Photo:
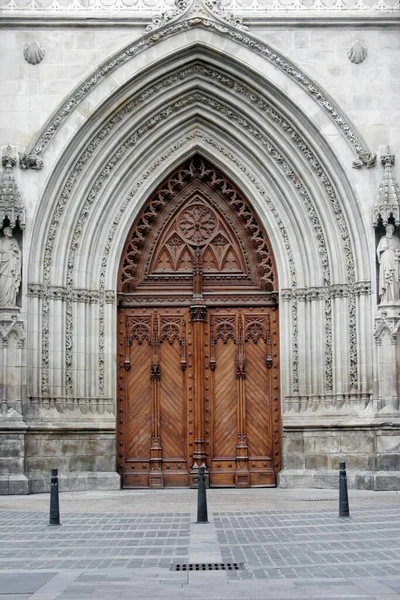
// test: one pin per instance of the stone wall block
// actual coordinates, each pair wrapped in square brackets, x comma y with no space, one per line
[357,442]
[51,447]
[44,464]
[72,446]
[99,446]
[293,443]
[388,443]
[384,481]
[105,463]
[354,462]
[327,444]
[33,446]
[11,465]
[316,461]
[18,485]
[362,482]
[82,463]
[11,449]
[388,462]
[293,461]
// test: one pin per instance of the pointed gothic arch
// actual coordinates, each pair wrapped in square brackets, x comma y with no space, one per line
[198,339]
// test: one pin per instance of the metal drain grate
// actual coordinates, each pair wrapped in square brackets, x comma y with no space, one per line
[207,567]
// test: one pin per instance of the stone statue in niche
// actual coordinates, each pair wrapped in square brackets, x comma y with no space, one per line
[388,252]
[10,269]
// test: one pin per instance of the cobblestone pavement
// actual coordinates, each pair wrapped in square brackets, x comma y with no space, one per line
[120,545]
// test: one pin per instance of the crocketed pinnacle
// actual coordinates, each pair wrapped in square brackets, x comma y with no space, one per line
[387,203]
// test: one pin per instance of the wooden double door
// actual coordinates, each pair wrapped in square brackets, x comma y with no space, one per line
[199,386]
[198,357]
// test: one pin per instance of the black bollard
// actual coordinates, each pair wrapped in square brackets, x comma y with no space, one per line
[344,510]
[202,516]
[54,501]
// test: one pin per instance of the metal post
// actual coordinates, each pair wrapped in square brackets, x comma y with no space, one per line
[54,501]
[202,516]
[344,510]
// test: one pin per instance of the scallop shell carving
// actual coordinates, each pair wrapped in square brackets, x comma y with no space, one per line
[33,53]
[357,53]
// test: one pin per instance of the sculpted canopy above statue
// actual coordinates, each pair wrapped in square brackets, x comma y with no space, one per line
[10,269]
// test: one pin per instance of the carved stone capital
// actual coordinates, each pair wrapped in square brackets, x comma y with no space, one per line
[362,288]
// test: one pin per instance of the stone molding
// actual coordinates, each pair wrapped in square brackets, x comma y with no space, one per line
[65,404]
[63,293]
[224,29]
[336,290]
[145,8]
[317,403]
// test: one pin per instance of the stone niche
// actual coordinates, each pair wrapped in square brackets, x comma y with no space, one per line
[312,456]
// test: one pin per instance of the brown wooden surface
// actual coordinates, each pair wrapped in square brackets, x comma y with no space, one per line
[198,352]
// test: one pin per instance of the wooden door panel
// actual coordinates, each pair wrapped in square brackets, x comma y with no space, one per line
[173,416]
[139,413]
[259,416]
[224,406]
[258,407]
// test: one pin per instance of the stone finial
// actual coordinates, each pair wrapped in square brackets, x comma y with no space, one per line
[387,203]
[11,205]
[198,9]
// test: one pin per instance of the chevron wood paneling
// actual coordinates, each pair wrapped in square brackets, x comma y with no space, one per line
[138,414]
[258,404]
[172,402]
[224,401]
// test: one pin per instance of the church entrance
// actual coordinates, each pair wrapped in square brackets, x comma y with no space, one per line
[198,347]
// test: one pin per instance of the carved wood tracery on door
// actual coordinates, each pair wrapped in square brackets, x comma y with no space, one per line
[198,354]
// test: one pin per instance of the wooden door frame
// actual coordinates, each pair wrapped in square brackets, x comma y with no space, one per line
[196,178]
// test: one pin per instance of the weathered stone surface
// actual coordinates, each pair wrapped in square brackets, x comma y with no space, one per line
[313,204]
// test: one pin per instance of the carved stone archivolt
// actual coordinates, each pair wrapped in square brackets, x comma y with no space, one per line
[229,31]
[294,136]
[174,242]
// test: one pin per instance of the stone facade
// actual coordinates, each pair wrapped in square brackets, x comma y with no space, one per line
[299,105]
